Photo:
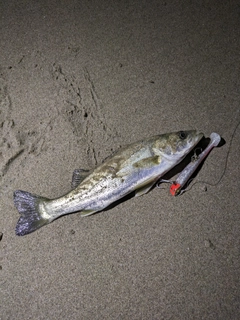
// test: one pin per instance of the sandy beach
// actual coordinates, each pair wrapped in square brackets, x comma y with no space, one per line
[79,79]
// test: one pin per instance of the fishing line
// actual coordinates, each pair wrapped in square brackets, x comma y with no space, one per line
[194,158]
[224,170]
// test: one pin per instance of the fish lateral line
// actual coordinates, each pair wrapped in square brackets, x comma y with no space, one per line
[136,167]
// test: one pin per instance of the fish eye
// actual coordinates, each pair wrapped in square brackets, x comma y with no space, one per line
[182,135]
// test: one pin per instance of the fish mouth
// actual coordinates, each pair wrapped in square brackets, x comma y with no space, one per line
[199,136]
[194,139]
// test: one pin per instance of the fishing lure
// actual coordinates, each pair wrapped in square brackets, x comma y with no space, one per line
[177,186]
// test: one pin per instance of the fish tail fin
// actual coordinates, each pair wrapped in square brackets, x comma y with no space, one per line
[31,217]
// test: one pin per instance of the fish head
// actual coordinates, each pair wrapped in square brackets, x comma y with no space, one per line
[176,145]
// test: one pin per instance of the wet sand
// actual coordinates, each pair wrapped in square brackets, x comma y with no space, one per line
[78,79]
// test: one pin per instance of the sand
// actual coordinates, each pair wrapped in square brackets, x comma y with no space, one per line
[78,79]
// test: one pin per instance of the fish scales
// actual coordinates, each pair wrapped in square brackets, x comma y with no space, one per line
[135,167]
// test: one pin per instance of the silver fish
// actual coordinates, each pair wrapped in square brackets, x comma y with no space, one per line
[136,167]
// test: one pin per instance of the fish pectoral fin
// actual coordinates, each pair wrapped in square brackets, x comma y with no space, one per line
[78,176]
[142,190]
[86,213]
[147,162]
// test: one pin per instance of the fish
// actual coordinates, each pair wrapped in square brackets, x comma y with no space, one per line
[133,168]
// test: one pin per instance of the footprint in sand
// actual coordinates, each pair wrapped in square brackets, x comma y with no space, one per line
[10,146]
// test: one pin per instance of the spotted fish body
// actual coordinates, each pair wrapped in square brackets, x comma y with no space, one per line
[135,167]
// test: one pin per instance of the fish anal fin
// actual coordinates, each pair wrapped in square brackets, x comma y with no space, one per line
[78,176]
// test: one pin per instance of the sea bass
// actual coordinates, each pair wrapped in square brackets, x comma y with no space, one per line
[136,167]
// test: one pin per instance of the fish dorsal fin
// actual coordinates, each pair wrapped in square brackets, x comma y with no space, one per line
[78,176]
